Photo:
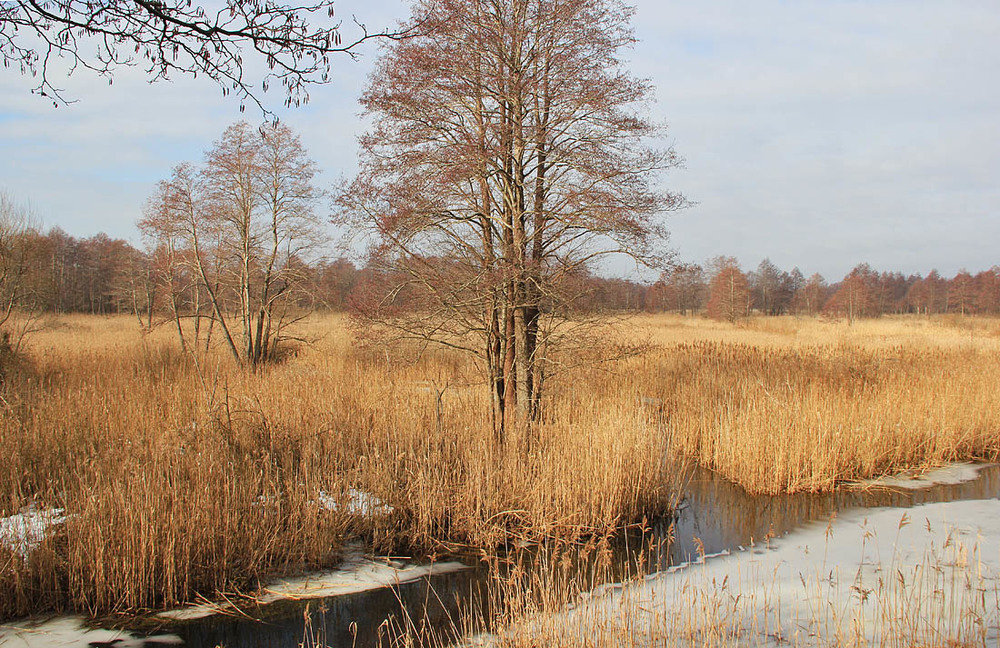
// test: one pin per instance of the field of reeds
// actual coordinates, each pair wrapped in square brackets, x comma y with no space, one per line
[782,405]
[879,578]
[182,477]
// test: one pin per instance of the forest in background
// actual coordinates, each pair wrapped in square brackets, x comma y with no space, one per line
[57,273]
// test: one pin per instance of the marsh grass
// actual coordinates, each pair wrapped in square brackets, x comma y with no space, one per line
[789,414]
[184,477]
[946,597]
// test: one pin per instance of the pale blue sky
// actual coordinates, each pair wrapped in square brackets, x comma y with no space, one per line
[817,133]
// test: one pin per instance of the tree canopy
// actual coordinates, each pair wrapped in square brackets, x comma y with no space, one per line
[510,150]
[294,41]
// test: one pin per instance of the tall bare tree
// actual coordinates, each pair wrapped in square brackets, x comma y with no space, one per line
[509,150]
[857,295]
[729,290]
[811,297]
[929,295]
[766,287]
[681,288]
[962,293]
[987,286]
[235,232]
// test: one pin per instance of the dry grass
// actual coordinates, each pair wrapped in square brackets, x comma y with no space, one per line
[784,405]
[184,478]
[947,597]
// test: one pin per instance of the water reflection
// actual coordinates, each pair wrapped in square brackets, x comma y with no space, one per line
[722,516]
[362,619]
[715,516]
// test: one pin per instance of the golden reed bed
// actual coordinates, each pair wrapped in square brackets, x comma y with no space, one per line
[182,478]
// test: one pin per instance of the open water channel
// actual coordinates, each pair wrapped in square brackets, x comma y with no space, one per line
[714,516]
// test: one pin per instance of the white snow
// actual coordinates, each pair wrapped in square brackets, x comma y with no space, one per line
[357,573]
[358,503]
[70,632]
[924,576]
[26,530]
[951,474]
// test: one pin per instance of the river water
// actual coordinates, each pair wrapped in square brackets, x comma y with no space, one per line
[714,516]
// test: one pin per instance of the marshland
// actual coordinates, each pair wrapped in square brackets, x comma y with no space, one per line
[437,373]
[180,479]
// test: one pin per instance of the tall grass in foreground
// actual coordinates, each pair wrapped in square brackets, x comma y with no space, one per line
[946,597]
[788,420]
[183,478]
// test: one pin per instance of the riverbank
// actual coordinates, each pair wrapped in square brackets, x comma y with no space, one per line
[357,574]
[926,576]
[175,477]
[370,599]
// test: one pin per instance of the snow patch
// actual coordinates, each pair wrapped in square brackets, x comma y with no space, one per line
[26,530]
[358,503]
[952,474]
[70,632]
[919,576]
[357,573]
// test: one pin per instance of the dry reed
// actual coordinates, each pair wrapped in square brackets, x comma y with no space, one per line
[948,596]
[774,409]
[183,478]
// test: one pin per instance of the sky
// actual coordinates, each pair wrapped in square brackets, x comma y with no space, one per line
[817,133]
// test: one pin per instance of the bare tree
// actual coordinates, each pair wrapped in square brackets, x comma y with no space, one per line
[856,297]
[987,287]
[928,295]
[962,293]
[140,291]
[729,290]
[294,41]
[172,225]
[20,308]
[681,288]
[791,284]
[766,287]
[235,232]
[508,152]
[811,297]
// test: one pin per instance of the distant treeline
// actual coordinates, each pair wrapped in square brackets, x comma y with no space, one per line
[100,275]
[58,273]
[722,290]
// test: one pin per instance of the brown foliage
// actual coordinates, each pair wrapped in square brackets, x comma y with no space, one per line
[857,295]
[506,140]
[729,292]
[231,237]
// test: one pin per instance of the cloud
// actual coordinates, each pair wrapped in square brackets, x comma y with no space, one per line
[819,133]
[89,166]
[822,134]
